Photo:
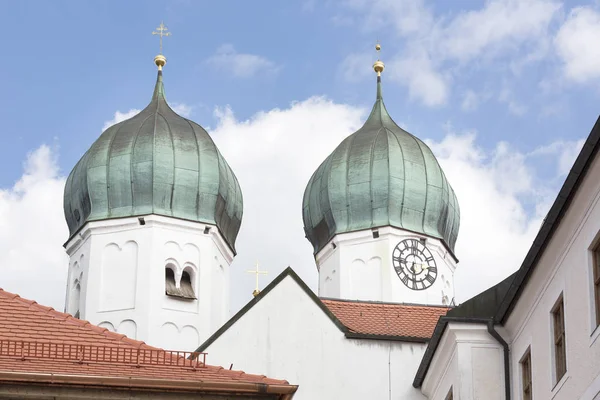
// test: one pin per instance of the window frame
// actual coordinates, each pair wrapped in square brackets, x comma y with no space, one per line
[596,282]
[526,375]
[559,339]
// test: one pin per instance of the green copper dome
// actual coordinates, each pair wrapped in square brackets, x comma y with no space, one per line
[379,176]
[156,162]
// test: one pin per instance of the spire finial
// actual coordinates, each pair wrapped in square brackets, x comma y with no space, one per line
[379,65]
[256,272]
[161,31]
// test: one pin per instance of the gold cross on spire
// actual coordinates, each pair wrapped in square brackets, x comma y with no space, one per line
[161,31]
[257,272]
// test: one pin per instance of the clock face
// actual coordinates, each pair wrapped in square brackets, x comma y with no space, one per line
[414,264]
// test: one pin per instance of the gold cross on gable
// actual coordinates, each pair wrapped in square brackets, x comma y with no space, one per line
[256,272]
[162,30]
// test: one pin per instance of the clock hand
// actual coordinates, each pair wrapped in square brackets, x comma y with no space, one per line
[412,267]
[422,267]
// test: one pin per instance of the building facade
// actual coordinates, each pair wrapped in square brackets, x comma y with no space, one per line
[154,210]
[534,335]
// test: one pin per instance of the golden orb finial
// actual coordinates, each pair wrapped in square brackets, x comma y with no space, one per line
[160,61]
[255,292]
[379,65]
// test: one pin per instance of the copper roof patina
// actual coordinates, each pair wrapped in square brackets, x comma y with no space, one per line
[156,162]
[379,176]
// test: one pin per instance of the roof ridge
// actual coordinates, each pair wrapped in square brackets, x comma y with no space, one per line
[377,302]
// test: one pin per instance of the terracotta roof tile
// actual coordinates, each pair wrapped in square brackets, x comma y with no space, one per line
[386,319]
[35,324]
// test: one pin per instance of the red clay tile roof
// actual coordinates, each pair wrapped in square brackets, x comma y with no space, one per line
[48,336]
[386,319]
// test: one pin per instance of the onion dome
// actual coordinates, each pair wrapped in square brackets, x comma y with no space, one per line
[380,176]
[156,162]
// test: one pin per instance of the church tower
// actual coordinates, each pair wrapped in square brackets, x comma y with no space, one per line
[382,217]
[153,211]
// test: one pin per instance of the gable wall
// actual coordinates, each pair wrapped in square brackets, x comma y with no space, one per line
[286,335]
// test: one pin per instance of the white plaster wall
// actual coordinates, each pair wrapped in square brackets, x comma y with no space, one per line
[364,269]
[329,271]
[447,379]
[286,335]
[564,267]
[122,265]
[468,360]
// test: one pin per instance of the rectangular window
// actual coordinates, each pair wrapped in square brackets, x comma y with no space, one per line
[560,351]
[596,267]
[526,375]
[449,395]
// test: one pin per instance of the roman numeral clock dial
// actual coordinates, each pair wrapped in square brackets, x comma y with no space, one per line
[414,264]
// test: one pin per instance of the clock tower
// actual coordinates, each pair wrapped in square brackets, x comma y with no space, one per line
[382,217]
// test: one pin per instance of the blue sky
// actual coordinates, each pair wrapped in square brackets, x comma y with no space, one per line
[503,90]
[72,64]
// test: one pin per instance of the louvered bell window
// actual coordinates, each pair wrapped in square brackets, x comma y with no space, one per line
[185,289]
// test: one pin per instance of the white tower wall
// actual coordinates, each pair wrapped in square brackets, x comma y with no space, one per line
[117,272]
[358,266]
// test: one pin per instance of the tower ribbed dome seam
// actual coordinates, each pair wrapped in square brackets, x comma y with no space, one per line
[426,182]
[400,219]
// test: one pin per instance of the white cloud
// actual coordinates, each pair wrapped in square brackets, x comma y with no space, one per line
[356,66]
[417,72]
[513,31]
[565,153]
[577,45]
[470,101]
[182,109]
[273,154]
[342,20]
[500,26]
[33,262]
[239,64]
[507,97]
[120,116]
[408,17]
[308,5]
[503,201]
